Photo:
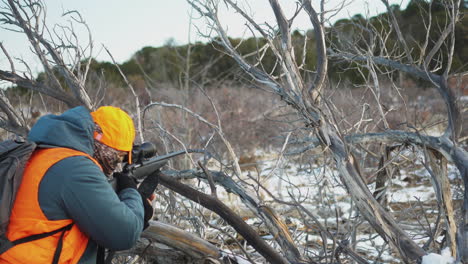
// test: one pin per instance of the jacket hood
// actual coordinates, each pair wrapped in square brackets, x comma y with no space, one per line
[73,129]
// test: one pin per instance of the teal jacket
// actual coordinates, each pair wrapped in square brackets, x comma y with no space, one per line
[75,188]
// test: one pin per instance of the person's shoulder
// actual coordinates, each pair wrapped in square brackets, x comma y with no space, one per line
[76,167]
[72,174]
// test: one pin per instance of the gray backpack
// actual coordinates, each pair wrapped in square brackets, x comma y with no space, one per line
[14,154]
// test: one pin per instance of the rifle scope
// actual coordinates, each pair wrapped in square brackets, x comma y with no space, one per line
[144,151]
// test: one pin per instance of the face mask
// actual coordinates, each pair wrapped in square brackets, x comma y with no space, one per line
[108,157]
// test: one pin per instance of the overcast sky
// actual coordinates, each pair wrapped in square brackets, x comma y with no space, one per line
[125,26]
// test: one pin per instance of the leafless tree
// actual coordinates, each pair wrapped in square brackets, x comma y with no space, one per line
[62,57]
[59,52]
[310,103]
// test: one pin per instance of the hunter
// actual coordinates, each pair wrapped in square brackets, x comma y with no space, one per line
[65,195]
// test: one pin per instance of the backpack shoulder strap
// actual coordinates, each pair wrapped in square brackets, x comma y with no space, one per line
[6,244]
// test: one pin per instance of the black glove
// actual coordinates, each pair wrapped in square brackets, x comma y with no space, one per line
[149,184]
[148,212]
[124,181]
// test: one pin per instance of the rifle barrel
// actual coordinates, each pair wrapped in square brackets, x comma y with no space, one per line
[145,167]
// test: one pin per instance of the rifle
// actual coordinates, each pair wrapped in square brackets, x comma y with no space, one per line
[145,166]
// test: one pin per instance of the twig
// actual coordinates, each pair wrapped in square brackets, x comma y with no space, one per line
[210,179]
[12,65]
[137,100]
[218,129]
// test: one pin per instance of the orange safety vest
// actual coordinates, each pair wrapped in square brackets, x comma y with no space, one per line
[28,219]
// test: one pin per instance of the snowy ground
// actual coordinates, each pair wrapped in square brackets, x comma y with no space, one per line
[411,200]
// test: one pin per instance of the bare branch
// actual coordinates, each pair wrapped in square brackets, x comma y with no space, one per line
[210,179]
[398,32]
[234,220]
[12,65]
[322,62]
[14,122]
[39,87]
[137,100]
[36,39]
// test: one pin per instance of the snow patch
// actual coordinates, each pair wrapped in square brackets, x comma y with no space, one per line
[434,258]
[423,193]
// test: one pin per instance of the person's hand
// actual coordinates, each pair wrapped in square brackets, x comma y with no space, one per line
[124,181]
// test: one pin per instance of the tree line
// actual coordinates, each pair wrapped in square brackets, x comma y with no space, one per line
[206,62]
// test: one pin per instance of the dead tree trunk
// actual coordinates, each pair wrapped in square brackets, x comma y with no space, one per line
[290,87]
